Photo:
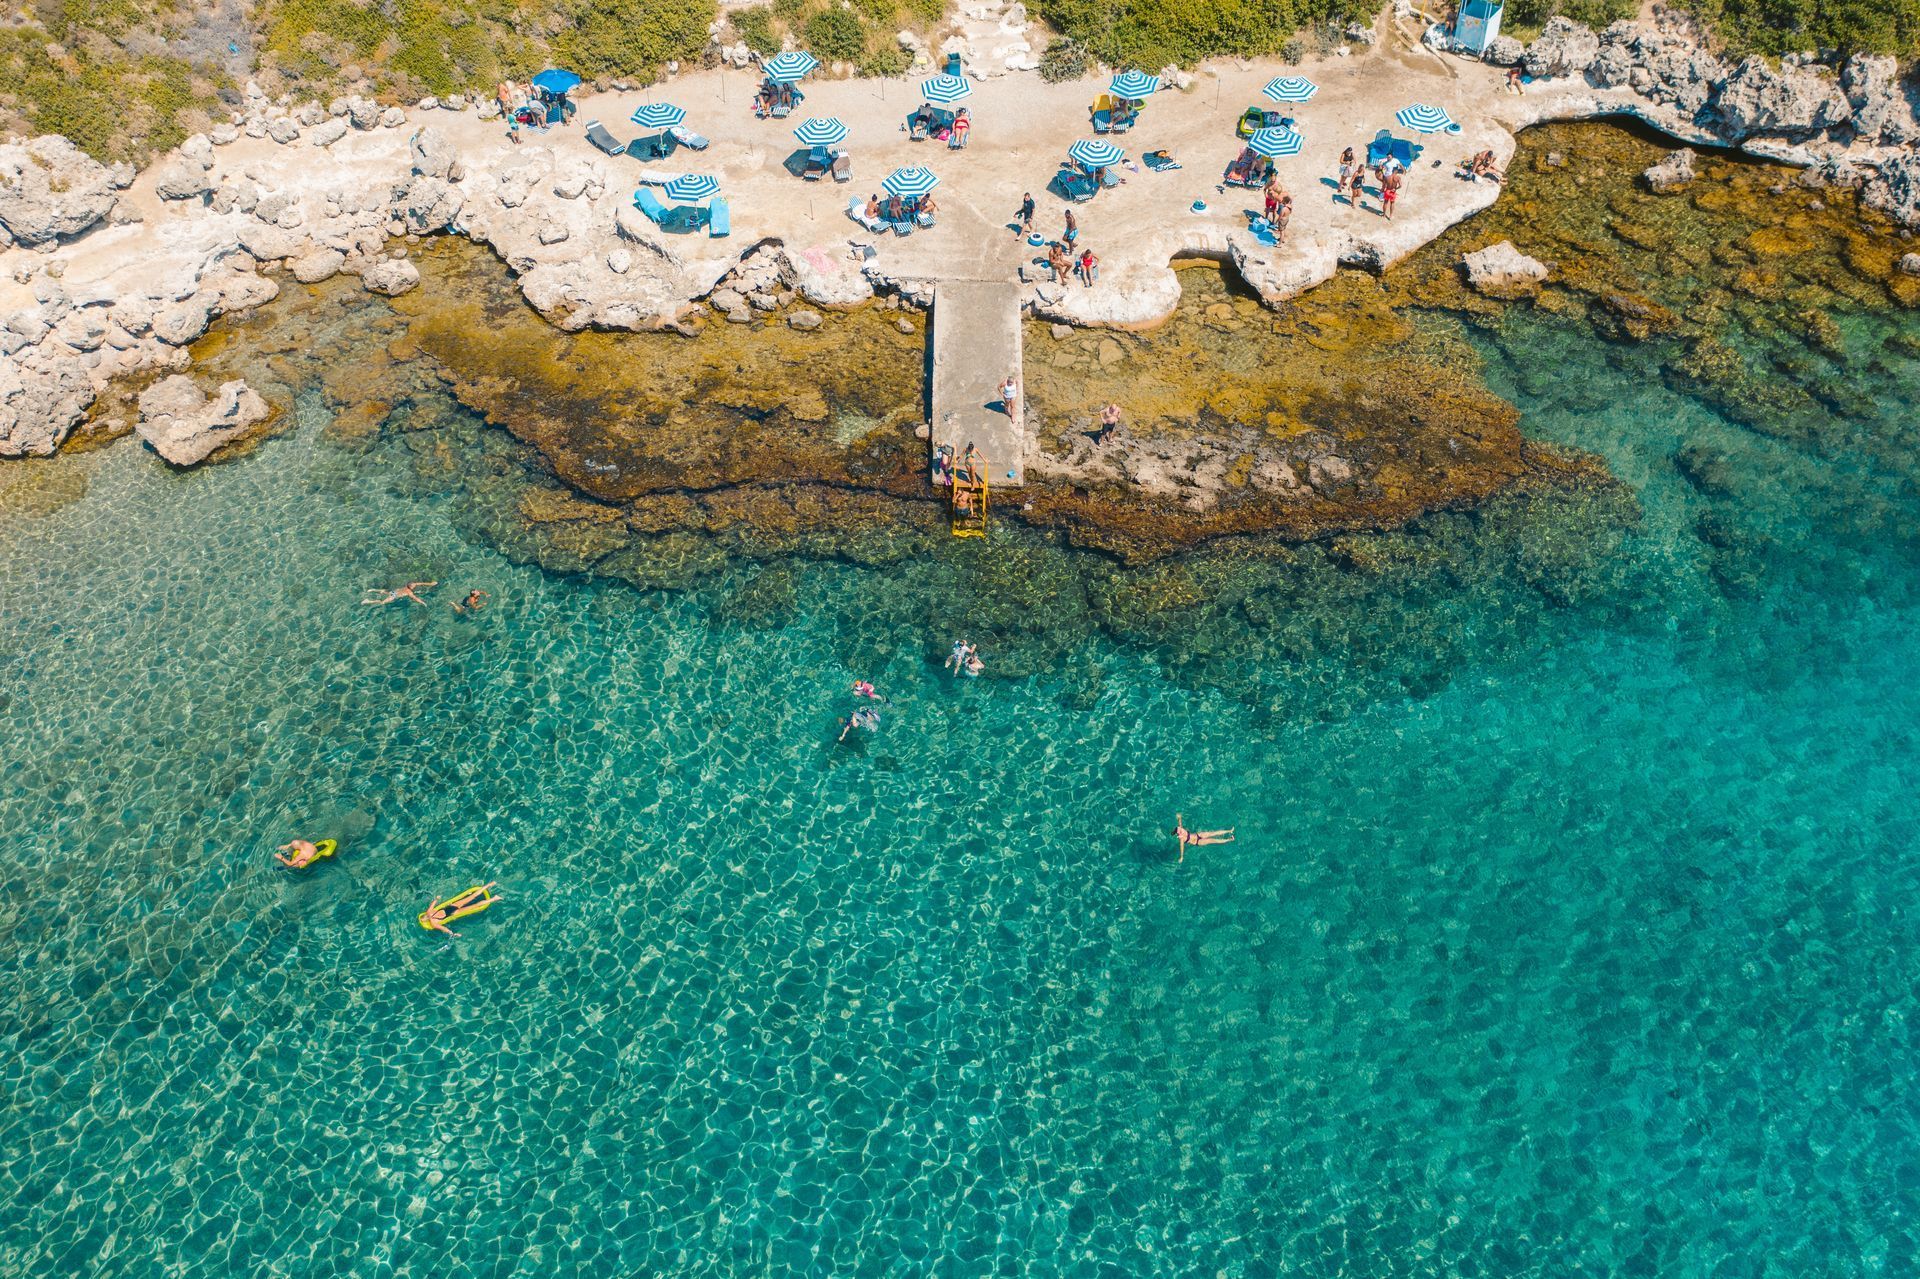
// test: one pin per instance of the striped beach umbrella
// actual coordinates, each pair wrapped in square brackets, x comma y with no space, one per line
[785,68]
[658,115]
[821,131]
[1273,143]
[1096,153]
[691,187]
[1422,118]
[1134,85]
[943,89]
[1290,88]
[912,181]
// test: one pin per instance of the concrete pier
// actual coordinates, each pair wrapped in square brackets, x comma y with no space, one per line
[976,342]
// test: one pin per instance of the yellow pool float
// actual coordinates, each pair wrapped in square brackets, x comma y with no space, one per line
[436,917]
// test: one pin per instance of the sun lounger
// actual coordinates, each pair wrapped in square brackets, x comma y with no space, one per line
[688,138]
[604,141]
[649,203]
[1103,122]
[1120,121]
[842,167]
[1159,161]
[656,146]
[1076,186]
[857,210]
[719,220]
[817,165]
[902,227]
[1109,177]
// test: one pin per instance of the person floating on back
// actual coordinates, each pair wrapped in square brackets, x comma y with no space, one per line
[1198,838]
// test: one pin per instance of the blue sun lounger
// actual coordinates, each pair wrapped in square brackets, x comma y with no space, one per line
[1076,186]
[1159,161]
[602,140]
[679,219]
[688,138]
[719,220]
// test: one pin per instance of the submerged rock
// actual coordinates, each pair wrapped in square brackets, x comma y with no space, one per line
[1671,173]
[185,426]
[391,278]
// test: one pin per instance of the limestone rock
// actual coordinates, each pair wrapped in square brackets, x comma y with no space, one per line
[1909,264]
[281,209]
[1502,270]
[391,278]
[1672,173]
[183,322]
[50,188]
[182,180]
[620,261]
[1504,51]
[40,405]
[1895,189]
[185,426]
[1792,104]
[269,243]
[196,150]
[224,135]
[310,114]
[433,155]
[804,319]
[283,130]
[317,264]
[328,133]
[1564,48]
[552,233]
[238,195]
[1882,112]
[392,118]
[426,204]
[363,113]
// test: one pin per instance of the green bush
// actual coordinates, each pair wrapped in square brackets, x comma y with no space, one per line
[835,35]
[1594,13]
[1065,59]
[928,13]
[792,12]
[1790,26]
[755,26]
[885,59]
[1293,51]
[1153,33]
[878,13]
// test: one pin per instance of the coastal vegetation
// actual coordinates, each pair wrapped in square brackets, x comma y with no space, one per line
[1789,26]
[864,34]
[1155,33]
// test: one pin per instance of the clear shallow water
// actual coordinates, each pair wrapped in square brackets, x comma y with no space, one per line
[1598,959]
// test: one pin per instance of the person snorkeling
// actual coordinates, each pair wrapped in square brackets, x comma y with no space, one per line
[865,717]
[305,853]
[436,917]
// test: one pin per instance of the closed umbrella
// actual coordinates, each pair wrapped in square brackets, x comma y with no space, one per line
[691,187]
[785,68]
[1422,118]
[1096,153]
[1134,85]
[821,131]
[658,115]
[943,89]
[909,182]
[1273,143]
[556,81]
[1290,88]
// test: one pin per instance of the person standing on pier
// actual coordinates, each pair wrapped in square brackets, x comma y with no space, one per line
[1010,396]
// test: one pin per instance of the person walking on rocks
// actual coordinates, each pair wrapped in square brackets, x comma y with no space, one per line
[1109,423]
[1072,232]
[1513,81]
[1358,187]
[1025,216]
[1346,171]
[1281,213]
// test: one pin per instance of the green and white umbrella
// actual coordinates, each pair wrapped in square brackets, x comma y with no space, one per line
[943,89]
[1096,153]
[658,115]
[1133,85]
[909,182]
[691,187]
[1274,143]
[821,131]
[1290,88]
[785,68]
[1422,118]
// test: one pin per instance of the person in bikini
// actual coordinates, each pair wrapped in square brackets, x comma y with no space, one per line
[1198,838]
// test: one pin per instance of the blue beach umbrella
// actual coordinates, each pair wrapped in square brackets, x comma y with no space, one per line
[691,187]
[909,182]
[555,81]
[785,68]
[1273,143]
[1133,85]
[1096,153]
[1422,118]
[658,115]
[943,89]
[1290,88]
[821,131]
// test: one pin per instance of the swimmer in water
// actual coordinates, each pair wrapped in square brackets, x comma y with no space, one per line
[475,601]
[957,659]
[866,717]
[1198,838]
[375,596]
[974,665]
[471,902]
[304,851]
[862,688]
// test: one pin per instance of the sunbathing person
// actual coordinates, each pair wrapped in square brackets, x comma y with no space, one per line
[873,208]
[436,917]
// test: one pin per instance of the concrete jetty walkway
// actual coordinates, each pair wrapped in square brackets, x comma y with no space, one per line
[976,343]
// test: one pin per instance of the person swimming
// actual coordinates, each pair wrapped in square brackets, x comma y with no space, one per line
[305,853]
[866,717]
[1197,838]
[374,595]
[475,601]
[436,917]
[957,659]
[862,688]
[973,665]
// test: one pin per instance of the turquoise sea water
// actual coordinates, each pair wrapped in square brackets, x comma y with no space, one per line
[1592,955]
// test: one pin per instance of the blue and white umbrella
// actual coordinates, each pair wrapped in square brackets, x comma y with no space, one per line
[1290,88]
[1422,118]
[785,68]
[1133,85]
[1273,143]
[556,81]
[909,182]
[943,89]
[691,187]
[821,131]
[1096,153]
[658,115]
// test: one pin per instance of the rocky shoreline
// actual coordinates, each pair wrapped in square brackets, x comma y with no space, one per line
[112,275]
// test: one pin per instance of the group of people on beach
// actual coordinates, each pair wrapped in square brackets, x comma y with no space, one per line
[896,209]
[1389,174]
[1065,256]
